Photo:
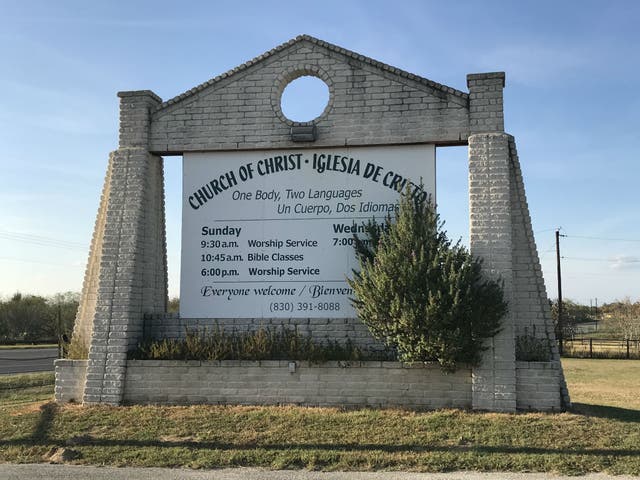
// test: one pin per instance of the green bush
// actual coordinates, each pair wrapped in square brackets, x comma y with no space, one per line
[421,294]
[262,344]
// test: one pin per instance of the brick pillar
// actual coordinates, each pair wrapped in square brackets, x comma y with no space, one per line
[532,314]
[135,117]
[494,380]
[486,112]
[127,271]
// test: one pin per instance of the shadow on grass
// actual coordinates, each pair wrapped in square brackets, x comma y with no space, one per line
[40,437]
[611,413]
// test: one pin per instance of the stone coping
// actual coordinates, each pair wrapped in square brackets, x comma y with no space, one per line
[68,362]
[64,362]
[285,363]
[553,365]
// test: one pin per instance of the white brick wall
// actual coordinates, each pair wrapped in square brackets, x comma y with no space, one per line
[379,384]
[532,314]
[371,103]
[354,384]
[70,378]
[537,384]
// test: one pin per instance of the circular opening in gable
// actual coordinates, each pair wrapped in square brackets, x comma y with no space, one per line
[304,99]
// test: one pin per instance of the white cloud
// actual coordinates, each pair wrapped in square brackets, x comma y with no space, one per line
[625,262]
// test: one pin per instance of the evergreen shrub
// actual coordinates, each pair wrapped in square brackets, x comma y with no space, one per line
[421,294]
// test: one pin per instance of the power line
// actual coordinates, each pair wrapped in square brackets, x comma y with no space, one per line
[611,274]
[587,259]
[593,259]
[605,238]
[38,237]
[40,240]
[547,251]
[39,243]
[38,262]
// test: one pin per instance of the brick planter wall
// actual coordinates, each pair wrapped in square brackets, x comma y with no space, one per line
[273,382]
[537,386]
[70,378]
[354,384]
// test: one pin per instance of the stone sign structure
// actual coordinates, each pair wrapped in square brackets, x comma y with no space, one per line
[231,127]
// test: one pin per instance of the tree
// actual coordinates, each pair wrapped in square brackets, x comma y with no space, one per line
[174,305]
[571,315]
[421,294]
[25,317]
[66,306]
[34,318]
[625,318]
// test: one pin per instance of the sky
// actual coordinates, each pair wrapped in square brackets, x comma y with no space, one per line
[571,100]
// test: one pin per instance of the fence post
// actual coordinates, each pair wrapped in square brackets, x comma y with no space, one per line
[591,348]
[628,355]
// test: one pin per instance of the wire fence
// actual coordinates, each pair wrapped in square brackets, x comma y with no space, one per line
[601,348]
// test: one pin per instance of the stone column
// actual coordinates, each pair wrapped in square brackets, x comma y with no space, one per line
[494,380]
[486,113]
[126,274]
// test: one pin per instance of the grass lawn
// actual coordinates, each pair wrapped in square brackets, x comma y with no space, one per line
[602,434]
[614,383]
[25,388]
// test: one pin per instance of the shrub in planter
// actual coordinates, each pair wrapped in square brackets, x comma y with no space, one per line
[421,294]
[262,344]
[530,347]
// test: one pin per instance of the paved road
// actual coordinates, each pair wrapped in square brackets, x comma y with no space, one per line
[73,472]
[23,360]
[41,359]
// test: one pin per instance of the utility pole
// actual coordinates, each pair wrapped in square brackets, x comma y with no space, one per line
[560,323]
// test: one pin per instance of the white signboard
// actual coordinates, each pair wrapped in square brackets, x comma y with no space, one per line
[269,234]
